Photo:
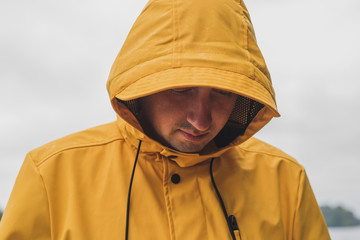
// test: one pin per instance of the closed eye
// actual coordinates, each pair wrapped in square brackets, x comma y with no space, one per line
[181,90]
[223,92]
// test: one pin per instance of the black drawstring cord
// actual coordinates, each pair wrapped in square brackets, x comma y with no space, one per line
[228,220]
[129,193]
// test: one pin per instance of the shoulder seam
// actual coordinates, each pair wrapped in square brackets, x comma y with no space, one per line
[46,192]
[297,201]
[284,156]
[74,147]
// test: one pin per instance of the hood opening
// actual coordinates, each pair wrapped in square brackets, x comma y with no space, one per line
[244,112]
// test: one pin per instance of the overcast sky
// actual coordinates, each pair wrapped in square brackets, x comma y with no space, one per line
[55,58]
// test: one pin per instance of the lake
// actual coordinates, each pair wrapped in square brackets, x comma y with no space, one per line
[345,233]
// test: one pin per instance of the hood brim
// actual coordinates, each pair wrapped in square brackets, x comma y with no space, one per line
[201,77]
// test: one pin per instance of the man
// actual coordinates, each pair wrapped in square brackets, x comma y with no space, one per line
[190,88]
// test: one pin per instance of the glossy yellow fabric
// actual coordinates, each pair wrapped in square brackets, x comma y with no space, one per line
[75,188]
[177,43]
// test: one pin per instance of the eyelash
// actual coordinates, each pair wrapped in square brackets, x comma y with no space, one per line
[225,93]
[181,90]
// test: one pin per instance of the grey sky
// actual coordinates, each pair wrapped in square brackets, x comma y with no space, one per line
[55,58]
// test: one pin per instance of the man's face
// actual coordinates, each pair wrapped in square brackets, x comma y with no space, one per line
[186,119]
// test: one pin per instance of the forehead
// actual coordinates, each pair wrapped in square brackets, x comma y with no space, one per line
[189,99]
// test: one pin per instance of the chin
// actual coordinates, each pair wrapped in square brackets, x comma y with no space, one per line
[188,148]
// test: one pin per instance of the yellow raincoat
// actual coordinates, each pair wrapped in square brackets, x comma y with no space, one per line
[76,188]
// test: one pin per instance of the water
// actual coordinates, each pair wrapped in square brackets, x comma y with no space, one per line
[345,233]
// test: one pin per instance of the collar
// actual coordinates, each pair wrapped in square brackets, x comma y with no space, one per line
[132,136]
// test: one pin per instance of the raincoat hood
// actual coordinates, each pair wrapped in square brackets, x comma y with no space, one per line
[195,43]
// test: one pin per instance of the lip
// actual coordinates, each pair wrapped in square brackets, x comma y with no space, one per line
[193,137]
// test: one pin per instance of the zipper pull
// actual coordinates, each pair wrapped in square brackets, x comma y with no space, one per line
[233,223]
[234,227]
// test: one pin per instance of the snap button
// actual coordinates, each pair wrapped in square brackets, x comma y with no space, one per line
[175,178]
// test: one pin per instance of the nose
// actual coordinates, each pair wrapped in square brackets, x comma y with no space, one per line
[200,114]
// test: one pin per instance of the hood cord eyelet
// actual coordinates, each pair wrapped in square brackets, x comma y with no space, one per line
[129,193]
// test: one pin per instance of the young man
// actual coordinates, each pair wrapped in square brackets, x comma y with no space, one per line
[190,88]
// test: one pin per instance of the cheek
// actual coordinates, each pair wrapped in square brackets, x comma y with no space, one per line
[221,118]
[165,114]
[223,111]
[162,122]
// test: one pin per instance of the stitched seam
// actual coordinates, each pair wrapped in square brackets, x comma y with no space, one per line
[246,38]
[202,202]
[74,147]
[167,200]
[178,43]
[175,33]
[173,53]
[296,205]
[170,68]
[273,155]
[46,192]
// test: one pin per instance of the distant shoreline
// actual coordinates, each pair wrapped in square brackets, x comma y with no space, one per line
[339,216]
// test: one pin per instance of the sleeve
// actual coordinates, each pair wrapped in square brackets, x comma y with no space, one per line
[309,222]
[26,215]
